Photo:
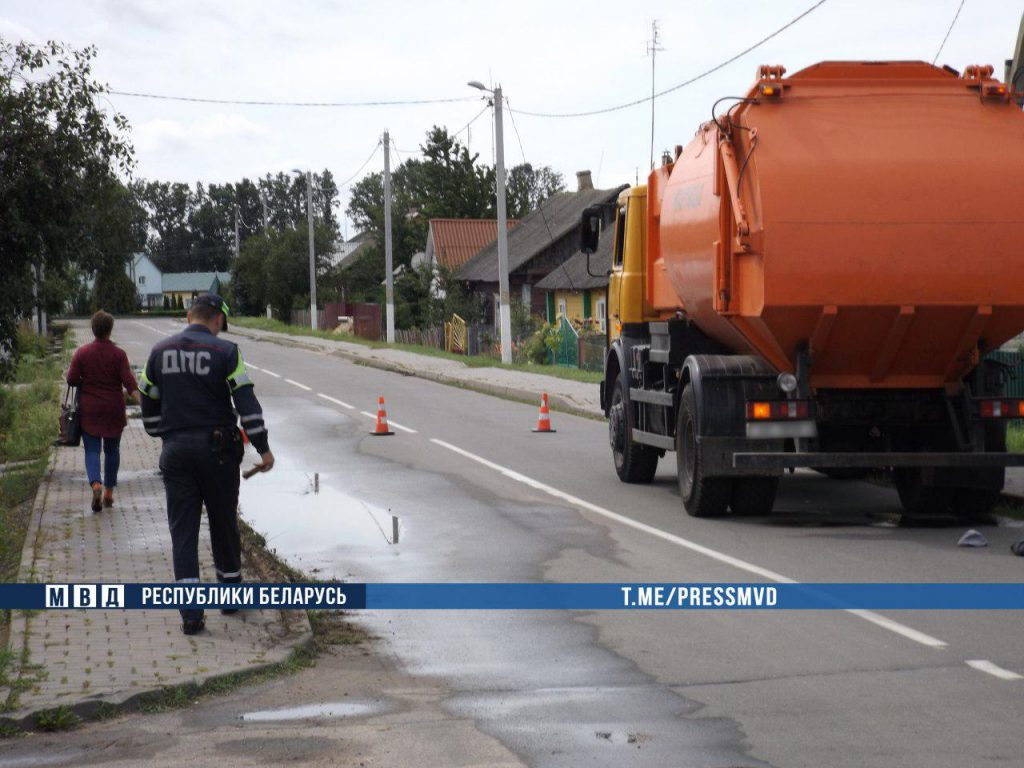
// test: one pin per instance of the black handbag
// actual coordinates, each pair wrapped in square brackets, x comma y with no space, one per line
[70,419]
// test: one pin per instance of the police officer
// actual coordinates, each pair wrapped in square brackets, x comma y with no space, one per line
[189,383]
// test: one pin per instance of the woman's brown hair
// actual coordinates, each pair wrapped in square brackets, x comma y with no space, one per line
[102,324]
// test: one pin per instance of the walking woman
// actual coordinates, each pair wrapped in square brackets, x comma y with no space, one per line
[100,369]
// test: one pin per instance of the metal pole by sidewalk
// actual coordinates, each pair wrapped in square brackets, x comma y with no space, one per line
[389,276]
[505,314]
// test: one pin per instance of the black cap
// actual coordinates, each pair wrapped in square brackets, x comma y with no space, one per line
[215,301]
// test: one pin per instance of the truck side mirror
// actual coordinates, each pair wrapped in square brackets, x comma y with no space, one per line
[590,228]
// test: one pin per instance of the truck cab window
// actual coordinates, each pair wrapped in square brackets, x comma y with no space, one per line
[620,236]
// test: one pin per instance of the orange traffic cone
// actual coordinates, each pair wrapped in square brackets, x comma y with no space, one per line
[544,418]
[382,427]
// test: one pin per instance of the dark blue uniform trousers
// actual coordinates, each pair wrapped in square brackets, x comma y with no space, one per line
[197,472]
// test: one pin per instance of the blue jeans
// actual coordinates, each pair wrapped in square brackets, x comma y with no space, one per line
[111,458]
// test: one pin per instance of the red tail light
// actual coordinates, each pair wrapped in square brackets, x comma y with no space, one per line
[778,410]
[1001,409]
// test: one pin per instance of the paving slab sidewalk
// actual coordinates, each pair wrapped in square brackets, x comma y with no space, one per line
[578,397]
[83,659]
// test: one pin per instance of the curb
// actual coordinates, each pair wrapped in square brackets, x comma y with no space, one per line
[517,394]
[114,704]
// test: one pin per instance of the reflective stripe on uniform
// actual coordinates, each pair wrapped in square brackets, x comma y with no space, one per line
[150,419]
[147,387]
[252,417]
[255,431]
[238,377]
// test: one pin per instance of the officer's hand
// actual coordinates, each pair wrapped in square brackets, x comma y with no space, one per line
[266,462]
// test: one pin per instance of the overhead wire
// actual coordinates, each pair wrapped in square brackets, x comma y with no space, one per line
[685,83]
[540,204]
[948,31]
[275,103]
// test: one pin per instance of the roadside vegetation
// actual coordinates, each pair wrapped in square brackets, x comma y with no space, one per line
[29,406]
[473,361]
[1015,437]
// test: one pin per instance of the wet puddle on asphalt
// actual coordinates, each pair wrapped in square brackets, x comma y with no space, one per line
[316,520]
[326,710]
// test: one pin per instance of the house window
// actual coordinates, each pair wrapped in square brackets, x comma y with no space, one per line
[561,308]
[142,279]
[527,294]
[600,312]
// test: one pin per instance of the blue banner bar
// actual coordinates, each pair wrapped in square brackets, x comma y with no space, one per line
[491,596]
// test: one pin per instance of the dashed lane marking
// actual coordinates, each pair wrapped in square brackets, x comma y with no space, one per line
[391,423]
[299,385]
[334,400]
[271,373]
[877,619]
[983,665]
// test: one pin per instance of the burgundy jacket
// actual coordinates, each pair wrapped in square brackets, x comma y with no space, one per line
[100,370]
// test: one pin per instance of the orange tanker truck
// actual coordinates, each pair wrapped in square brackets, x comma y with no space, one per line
[814,281]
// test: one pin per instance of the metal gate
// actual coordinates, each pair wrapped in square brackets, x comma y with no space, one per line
[1015,382]
[567,351]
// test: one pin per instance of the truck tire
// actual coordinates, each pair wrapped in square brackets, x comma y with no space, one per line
[634,462]
[702,496]
[974,503]
[753,496]
[920,500]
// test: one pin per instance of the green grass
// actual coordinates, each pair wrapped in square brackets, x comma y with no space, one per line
[1015,437]
[29,406]
[473,361]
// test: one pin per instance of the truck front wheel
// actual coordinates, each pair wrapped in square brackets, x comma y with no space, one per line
[702,496]
[634,462]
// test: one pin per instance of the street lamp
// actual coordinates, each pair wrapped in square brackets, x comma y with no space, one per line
[312,252]
[504,312]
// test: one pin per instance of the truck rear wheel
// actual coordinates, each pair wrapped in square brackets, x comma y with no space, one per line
[634,462]
[753,496]
[920,500]
[702,496]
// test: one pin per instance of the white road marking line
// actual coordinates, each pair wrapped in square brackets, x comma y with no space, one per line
[983,665]
[271,373]
[743,565]
[254,367]
[391,423]
[151,328]
[300,386]
[335,401]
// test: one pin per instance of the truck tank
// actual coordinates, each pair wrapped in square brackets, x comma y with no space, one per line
[869,212]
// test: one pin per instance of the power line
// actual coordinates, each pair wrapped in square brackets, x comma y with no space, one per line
[271,103]
[683,84]
[540,204]
[948,31]
[361,167]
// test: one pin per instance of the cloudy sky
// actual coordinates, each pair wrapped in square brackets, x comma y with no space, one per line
[549,57]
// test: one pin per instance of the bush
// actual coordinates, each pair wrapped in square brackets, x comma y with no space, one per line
[542,343]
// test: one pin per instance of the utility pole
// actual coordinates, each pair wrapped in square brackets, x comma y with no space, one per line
[236,232]
[389,277]
[652,50]
[505,313]
[312,251]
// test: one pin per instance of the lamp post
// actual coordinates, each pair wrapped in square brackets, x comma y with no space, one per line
[504,311]
[312,251]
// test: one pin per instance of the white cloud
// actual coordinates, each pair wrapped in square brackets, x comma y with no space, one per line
[163,134]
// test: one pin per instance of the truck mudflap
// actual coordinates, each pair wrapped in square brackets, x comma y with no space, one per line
[767,461]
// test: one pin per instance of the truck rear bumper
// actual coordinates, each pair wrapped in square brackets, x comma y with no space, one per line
[779,461]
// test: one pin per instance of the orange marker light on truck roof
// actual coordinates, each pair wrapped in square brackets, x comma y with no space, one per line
[772,91]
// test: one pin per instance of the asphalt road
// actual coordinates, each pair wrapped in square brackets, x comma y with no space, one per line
[482,498]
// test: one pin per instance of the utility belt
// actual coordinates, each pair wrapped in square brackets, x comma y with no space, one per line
[224,443]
